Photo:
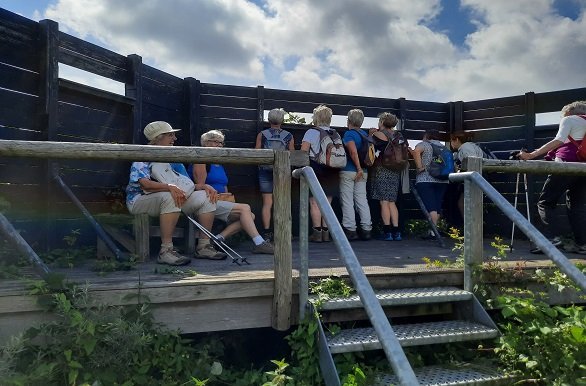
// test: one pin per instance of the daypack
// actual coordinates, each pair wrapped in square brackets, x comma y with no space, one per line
[275,142]
[395,156]
[331,149]
[366,152]
[442,162]
[581,152]
[163,172]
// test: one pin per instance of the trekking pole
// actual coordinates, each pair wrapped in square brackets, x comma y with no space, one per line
[515,206]
[527,197]
[427,215]
[235,256]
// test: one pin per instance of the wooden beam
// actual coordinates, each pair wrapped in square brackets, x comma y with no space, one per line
[473,223]
[133,89]
[283,292]
[534,167]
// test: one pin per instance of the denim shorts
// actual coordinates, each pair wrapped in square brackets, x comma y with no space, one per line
[265,180]
[432,195]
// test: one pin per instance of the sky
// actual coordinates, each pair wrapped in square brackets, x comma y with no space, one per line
[431,50]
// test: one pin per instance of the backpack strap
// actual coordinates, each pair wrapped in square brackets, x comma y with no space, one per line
[576,143]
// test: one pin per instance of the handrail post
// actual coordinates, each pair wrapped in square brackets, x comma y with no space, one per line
[473,225]
[283,290]
[303,246]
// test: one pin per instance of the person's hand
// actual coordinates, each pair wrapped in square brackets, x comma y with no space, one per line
[178,195]
[523,155]
[359,175]
[211,193]
[372,130]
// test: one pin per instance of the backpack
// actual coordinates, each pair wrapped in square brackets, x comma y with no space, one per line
[331,149]
[581,152]
[275,142]
[164,172]
[395,156]
[442,162]
[367,152]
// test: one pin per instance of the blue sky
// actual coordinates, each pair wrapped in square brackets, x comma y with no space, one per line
[439,50]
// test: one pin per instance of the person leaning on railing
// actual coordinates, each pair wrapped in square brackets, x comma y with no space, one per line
[461,144]
[237,215]
[146,196]
[561,149]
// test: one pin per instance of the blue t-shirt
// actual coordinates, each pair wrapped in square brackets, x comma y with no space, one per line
[180,168]
[352,136]
[217,178]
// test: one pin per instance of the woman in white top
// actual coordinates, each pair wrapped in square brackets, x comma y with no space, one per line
[573,123]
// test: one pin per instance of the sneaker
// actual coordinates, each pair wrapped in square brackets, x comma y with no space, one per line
[397,236]
[365,235]
[172,257]
[265,247]
[325,236]
[209,252]
[386,237]
[315,236]
[556,242]
[350,235]
[269,236]
[582,249]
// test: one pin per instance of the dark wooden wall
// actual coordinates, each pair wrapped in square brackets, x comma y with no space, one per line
[35,104]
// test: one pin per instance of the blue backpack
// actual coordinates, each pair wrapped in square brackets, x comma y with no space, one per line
[442,162]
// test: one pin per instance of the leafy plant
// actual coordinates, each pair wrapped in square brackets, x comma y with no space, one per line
[329,288]
[294,118]
[304,352]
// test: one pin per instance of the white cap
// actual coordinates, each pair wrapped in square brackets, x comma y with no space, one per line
[154,129]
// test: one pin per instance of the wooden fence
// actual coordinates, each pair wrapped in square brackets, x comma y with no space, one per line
[35,104]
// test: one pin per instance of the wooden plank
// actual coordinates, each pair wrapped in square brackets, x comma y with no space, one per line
[15,133]
[517,100]
[236,102]
[228,113]
[427,116]
[422,126]
[158,94]
[221,89]
[161,76]
[89,125]
[350,101]
[226,124]
[498,134]
[92,51]
[85,63]
[495,123]
[25,116]
[82,94]
[426,106]
[554,101]
[505,111]
[18,79]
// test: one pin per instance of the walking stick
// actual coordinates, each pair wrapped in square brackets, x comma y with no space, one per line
[427,215]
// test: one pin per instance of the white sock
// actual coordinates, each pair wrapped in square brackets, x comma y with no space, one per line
[166,246]
[202,243]
[258,240]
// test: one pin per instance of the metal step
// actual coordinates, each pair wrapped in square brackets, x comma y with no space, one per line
[457,374]
[400,297]
[363,339]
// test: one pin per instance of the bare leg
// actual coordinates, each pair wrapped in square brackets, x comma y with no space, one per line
[267,205]
[385,212]
[434,217]
[167,223]
[314,213]
[206,220]
[243,219]
[394,213]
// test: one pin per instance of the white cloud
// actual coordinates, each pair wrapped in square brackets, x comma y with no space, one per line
[365,47]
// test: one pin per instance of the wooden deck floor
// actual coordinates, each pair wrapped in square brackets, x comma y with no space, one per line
[220,295]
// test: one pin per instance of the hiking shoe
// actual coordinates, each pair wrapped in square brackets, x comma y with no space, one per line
[350,235]
[386,237]
[315,236]
[172,257]
[265,247]
[397,236]
[365,235]
[269,236]
[209,252]
[556,241]
[325,236]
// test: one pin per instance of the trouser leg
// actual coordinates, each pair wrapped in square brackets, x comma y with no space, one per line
[555,186]
[576,207]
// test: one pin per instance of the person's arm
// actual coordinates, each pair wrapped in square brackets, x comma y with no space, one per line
[258,144]
[353,153]
[416,153]
[305,146]
[543,150]
[292,144]
[200,174]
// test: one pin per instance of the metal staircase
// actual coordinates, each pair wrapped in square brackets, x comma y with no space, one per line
[468,322]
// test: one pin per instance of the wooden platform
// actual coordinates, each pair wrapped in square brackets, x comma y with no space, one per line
[220,295]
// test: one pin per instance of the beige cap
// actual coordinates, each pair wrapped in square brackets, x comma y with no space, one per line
[154,129]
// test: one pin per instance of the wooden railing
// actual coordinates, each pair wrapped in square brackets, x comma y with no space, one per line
[281,161]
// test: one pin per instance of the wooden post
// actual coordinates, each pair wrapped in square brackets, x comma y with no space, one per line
[133,89]
[141,236]
[193,92]
[473,225]
[48,101]
[458,117]
[260,109]
[283,291]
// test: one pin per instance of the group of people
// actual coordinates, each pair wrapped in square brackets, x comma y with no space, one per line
[211,199]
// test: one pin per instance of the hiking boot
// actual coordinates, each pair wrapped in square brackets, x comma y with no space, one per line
[397,236]
[365,235]
[325,236]
[350,235]
[172,257]
[315,236]
[209,252]
[265,247]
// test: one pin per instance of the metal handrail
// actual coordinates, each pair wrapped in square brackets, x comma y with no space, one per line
[374,310]
[524,225]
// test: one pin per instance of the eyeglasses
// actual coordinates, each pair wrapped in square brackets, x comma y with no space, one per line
[221,143]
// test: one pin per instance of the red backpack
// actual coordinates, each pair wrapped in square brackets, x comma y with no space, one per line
[581,152]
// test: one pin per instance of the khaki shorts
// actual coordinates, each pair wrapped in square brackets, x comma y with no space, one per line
[223,210]
[155,204]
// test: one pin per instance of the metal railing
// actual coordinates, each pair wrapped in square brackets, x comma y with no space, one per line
[474,187]
[390,344]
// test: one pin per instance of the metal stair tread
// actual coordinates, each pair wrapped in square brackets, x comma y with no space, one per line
[363,339]
[397,297]
[456,374]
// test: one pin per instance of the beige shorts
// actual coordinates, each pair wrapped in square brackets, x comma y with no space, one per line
[223,210]
[158,203]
